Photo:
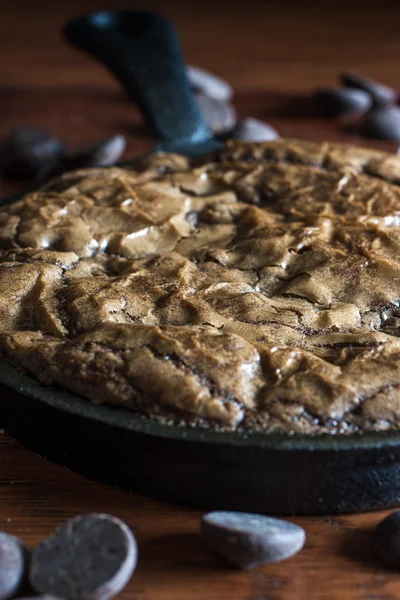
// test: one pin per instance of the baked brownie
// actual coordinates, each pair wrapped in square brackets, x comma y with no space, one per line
[257,289]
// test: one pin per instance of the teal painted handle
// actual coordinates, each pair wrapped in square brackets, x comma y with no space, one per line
[142,50]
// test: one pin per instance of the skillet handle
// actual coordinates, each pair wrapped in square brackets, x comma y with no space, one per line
[142,50]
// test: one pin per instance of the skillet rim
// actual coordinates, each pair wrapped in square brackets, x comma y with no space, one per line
[121,418]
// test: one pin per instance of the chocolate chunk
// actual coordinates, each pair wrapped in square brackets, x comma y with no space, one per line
[209,84]
[253,130]
[249,540]
[90,557]
[381,94]
[382,123]
[29,153]
[101,154]
[386,541]
[14,559]
[219,116]
[342,102]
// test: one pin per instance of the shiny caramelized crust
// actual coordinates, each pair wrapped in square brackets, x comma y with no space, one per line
[258,289]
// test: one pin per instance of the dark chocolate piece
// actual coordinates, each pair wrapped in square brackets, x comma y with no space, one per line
[220,116]
[210,84]
[342,102]
[90,557]
[382,123]
[14,559]
[253,130]
[380,93]
[248,540]
[29,154]
[100,154]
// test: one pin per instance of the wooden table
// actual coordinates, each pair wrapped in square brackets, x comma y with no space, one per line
[271,55]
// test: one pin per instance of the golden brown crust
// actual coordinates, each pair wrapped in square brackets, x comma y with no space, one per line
[259,289]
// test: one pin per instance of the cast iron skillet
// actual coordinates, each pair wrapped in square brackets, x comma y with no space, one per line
[254,472]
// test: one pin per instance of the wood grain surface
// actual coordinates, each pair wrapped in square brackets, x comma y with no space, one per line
[274,54]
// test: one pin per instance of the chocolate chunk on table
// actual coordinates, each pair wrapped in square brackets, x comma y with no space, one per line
[90,557]
[249,540]
[14,558]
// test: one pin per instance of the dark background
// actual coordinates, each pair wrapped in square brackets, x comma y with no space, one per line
[254,44]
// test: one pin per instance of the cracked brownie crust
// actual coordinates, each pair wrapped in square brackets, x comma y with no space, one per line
[258,289]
